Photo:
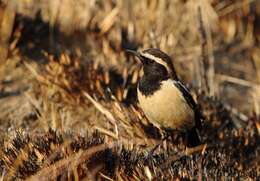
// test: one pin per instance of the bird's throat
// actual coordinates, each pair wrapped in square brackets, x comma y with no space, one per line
[148,85]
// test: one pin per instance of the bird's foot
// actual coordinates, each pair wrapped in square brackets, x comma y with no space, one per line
[151,152]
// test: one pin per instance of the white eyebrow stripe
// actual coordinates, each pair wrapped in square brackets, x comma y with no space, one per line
[156,59]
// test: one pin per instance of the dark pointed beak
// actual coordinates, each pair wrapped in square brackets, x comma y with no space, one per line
[135,53]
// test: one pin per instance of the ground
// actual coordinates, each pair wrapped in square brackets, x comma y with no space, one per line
[68,107]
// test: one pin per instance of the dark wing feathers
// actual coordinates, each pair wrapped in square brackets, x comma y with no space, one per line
[191,102]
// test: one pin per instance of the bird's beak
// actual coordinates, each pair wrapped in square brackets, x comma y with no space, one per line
[137,54]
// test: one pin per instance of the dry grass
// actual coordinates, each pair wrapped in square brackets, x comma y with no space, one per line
[68,105]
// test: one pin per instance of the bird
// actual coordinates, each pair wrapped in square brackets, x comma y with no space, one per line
[164,99]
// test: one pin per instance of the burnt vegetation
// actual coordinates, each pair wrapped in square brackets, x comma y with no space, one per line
[68,108]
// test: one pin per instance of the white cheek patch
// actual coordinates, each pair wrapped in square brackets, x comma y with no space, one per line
[156,59]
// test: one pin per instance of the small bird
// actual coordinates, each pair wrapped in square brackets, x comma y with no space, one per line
[165,101]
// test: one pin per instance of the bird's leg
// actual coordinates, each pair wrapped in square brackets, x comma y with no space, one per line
[151,152]
[159,144]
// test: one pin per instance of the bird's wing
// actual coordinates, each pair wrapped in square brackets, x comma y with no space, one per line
[186,94]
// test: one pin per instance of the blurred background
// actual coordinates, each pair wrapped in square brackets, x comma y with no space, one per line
[63,63]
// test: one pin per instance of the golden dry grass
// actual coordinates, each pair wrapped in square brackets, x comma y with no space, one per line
[67,71]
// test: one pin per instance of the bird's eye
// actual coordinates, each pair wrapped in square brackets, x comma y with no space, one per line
[146,60]
[149,61]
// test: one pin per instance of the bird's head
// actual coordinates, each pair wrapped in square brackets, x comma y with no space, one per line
[156,63]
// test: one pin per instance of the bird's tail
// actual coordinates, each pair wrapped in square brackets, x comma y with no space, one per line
[192,138]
